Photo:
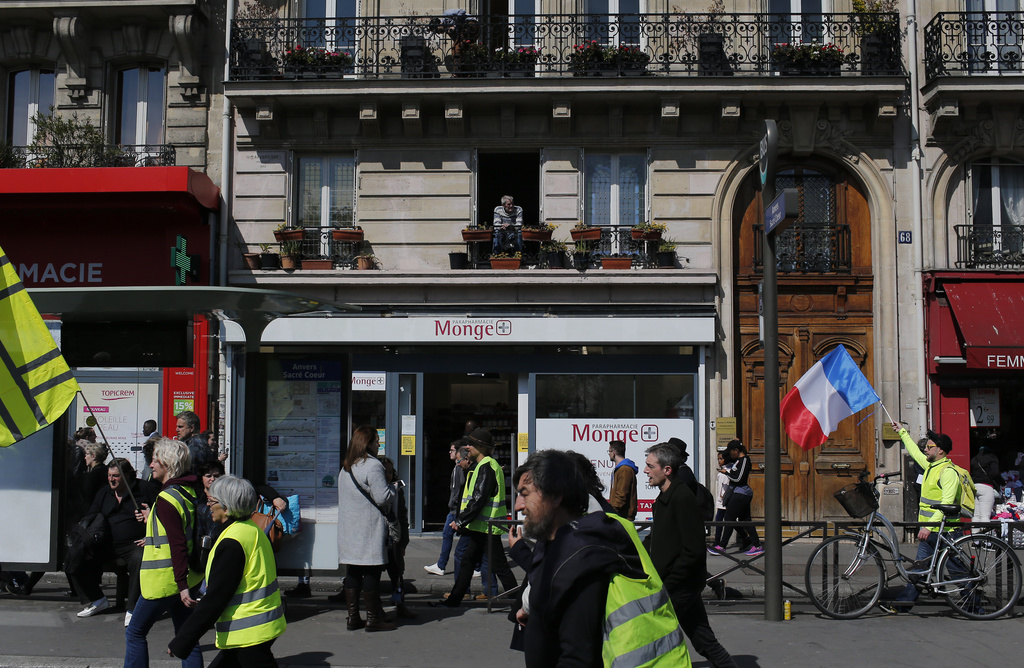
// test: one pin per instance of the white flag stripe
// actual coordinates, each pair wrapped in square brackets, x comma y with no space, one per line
[822,400]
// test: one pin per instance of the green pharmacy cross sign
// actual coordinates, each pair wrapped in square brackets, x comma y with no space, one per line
[183,263]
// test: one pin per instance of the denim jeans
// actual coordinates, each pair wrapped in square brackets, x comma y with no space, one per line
[925,549]
[485,574]
[447,538]
[147,612]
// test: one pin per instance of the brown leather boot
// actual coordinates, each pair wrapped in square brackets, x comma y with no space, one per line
[375,619]
[355,622]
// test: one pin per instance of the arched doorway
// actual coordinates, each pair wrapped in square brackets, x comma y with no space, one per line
[824,299]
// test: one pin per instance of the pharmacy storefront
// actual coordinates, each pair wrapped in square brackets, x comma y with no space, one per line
[572,383]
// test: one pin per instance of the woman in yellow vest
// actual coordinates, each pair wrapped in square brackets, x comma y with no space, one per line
[166,581]
[242,599]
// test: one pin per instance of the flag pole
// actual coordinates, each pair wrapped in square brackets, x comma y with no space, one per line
[104,437]
[886,412]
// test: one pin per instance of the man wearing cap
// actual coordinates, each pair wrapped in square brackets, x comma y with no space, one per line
[940,484]
[622,497]
[483,500]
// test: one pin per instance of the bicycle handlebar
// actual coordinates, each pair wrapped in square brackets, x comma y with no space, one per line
[863,477]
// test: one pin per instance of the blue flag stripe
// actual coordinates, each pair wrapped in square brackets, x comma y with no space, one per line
[848,380]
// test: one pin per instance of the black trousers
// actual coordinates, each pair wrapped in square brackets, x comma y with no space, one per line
[476,548]
[738,510]
[86,582]
[693,619]
[362,578]
[257,656]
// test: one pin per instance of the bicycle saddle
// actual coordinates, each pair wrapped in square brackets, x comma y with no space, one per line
[948,509]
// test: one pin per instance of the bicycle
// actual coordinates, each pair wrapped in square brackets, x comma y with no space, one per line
[979,575]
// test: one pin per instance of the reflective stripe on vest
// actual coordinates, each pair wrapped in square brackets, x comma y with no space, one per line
[931,493]
[254,614]
[493,508]
[640,625]
[156,573]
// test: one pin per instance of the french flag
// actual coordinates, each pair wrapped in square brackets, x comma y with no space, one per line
[832,390]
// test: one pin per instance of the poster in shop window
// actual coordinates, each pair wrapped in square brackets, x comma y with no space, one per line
[590,437]
[304,436]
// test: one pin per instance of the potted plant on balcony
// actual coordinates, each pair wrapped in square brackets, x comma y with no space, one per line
[588,59]
[506,260]
[316,61]
[251,260]
[647,231]
[472,59]
[581,254]
[617,261]
[554,254]
[269,260]
[350,235]
[518,61]
[880,34]
[285,232]
[627,61]
[291,254]
[477,234]
[809,58]
[584,232]
[540,232]
[666,254]
[367,261]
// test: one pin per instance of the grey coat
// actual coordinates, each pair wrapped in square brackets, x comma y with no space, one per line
[362,529]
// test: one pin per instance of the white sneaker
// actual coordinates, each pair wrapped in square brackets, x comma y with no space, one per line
[127,619]
[476,574]
[94,607]
[433,569]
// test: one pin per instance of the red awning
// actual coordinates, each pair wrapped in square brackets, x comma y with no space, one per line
[175,188]
[991,320]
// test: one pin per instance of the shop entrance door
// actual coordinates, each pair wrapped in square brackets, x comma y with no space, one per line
[450,401]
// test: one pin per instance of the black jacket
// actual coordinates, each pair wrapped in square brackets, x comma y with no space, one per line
[124,528]
[677,542]
[985,469]
[569,578]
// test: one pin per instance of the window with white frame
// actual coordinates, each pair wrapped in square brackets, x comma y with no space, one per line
[615,188]
[28,92]
[994,43]
[140,106]
[799,21]
[326,191]
[522,26]
[613,22]
[995,204]
[337,18]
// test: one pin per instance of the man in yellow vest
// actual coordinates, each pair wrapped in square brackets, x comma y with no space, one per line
[483,499]
[594,596]
[940,484]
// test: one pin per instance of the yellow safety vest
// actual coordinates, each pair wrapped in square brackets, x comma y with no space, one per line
[254,614]
[931,492]
[640,624]
[156,574]
[494,508]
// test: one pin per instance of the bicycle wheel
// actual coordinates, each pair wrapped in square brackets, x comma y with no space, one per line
[843,583]
[985,575]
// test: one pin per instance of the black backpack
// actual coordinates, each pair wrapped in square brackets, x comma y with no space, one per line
[705,501]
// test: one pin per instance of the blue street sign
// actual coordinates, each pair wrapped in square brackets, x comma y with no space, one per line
[783,210]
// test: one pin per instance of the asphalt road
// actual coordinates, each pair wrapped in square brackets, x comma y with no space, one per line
[44,631]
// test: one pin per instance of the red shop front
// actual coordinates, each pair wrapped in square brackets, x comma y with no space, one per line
[974,346]
[87,228]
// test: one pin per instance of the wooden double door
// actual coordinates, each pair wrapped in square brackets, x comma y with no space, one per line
[824,300]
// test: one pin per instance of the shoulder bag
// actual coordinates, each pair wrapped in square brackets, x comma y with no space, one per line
[394,530]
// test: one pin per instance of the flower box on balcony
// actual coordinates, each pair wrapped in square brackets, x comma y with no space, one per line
[536,234]
[586,234]
[289,234]
[616,262]
[320,265]
[347,234]
[477,235]
[645,235]
[505,263]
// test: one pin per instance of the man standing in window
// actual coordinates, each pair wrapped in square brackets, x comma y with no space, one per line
[508,223]
[623,494]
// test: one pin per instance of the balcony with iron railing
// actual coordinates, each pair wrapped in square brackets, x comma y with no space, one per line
[989,247]
[87,155]
[808,249]
[526,46]
[973,44]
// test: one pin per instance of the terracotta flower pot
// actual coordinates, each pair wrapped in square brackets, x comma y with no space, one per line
[252,260]
[586,234]
[318,264]
[505,264]
[536,235]
[477,235]
[347,234]
[364,263]
[288,235]
[290,262]
[616,262]
[648,235]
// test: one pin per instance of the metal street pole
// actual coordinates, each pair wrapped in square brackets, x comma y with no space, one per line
[772,449]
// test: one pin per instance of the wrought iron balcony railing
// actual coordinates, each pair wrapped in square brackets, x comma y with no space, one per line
[989,247]
[568,45]
[808,249]
[974,43]
[87,155]
[318,243]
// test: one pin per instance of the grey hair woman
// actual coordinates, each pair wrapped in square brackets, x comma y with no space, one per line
[241,566]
